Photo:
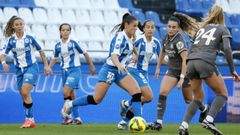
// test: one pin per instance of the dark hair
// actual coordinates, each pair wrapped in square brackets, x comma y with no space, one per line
[127,18]
[141,27]
[60,27]
[175,19]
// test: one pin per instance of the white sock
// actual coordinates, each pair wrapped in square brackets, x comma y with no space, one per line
[159,121]
[126,103]
[185,124]
[209,118]
[70,104]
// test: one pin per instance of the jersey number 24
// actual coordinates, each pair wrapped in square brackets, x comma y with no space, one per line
[208,35]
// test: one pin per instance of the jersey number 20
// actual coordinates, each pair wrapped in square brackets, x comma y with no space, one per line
[208,35]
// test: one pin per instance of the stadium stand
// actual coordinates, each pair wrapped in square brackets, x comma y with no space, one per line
[96,18]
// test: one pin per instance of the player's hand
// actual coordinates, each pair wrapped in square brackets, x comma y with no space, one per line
[235,76]
[134,61]
[47,70]
[92,69]
[121,69]
[5,67]
[180,82]
[157,73]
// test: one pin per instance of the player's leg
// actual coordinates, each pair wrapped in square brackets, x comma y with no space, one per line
[128,83]
[76,117]
[27,79]
[216,83]
[188,97]
[167,84]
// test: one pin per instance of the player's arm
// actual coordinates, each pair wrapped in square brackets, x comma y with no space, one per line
[135,56]
[159,62]
[228,54]
[89,61]
[117,63]
[52,62]
[184,65]
[4,64]
[47,69]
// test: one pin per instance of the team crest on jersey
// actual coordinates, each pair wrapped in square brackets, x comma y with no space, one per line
[14,41]
[26,40]
[117,46]
[180,45]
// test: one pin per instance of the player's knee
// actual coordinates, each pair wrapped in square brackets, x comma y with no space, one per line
[163,93]
[25,96]
[148,98]
[92,101]
[188,101]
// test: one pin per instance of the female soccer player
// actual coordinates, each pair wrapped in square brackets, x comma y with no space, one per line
[146,46]
[23,48]
[114,69]
[201,66]
[69,52]
[174,47]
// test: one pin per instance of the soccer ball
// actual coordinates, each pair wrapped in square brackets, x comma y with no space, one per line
[137,124]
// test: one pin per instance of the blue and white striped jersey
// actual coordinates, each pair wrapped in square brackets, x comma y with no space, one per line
[69,53]
[145,51]
[121,45]
[23,50]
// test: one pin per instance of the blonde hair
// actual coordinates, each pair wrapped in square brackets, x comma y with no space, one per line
[216,16]
[8,31]
[191,26]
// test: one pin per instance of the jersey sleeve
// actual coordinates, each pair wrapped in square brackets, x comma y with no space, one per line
[180,46]
[116,44]
[158,47]
[7,47]
[36,44]
[56,51]
[136,43]
[226,33]
[79,48]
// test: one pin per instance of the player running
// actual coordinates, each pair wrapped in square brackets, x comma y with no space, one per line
[114,69]
[23,47]
[146,46]
[201,65]
[69,51]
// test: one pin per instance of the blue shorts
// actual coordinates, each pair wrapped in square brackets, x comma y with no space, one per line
[71,77]
[109,74]
[140,76]
[27,75]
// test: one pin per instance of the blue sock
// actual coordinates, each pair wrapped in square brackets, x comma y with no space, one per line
[28,108]
[137,108]
[75,113]
[81,101]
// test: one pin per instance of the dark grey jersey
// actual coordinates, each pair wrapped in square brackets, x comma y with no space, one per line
[173,48]
[207,43]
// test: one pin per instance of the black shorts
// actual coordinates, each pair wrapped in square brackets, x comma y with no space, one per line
[176,74]
[199,69]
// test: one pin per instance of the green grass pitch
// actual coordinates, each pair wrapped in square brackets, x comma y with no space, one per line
[108,129]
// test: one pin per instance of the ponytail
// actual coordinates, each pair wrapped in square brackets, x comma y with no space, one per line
[127,18]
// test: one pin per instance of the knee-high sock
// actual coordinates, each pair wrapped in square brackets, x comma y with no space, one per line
[28,108]
[161,106]
[191,110]
[217,105]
